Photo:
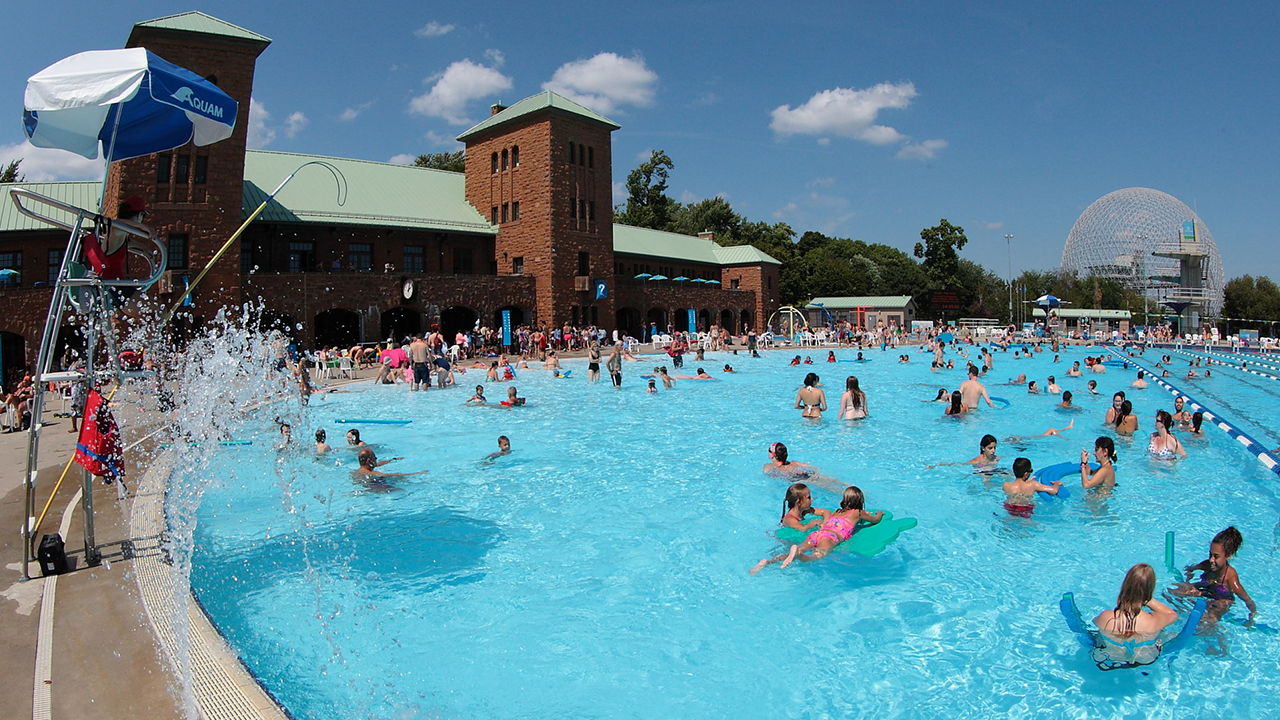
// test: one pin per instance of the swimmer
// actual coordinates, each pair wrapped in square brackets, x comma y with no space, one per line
[1075,370]
[369,465]
[834,530]
[1117,401]
[1140,383]
[1093,387]
[653,386]
[986,455]
[1127,625]
[1219,582]
[795,360]
[831,356]
[1104,451]
[286,435]
[779,464]
[972,391]
[1197,418]
[353,438]
[513,399]
[1191,375]
[478,398]
[796,505]
[1163,445]
[1052,388]
[504,447]
[492,374]
[702,375]
[1066,401]
[1180,414]
[811,399]
[728,368]
[860,358]
[853,403]
[1020,380]
[1032,388]
[808,360]
[1020,492]
[668,383]
[957,406]
[943,396]
[1126,423]
[322,447]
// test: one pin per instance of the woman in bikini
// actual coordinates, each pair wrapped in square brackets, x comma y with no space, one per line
[1164,446]
[1128,631]
[811,399]
[853,403]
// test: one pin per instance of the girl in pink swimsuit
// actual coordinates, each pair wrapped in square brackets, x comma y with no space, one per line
[834,530]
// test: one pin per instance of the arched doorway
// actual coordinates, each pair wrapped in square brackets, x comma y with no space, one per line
[337,328]
[13,358]
[399,323]
[726,321]
[746,319]
[704,320]
[518,317]
[627,320]
[656,316]
[459,319]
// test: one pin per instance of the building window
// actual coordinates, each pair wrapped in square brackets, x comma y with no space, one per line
[415,259]
[504,158]
[246,257]
[584,263]
[517,266]
[571,147]
[182,166]
[573,207]
[164,166]
[515,210]
[582,155]
[360,255]
[201,175]
[515,156]
[591,210]
[55,264]
[617,268]
[302,256]
[506,212]
[769,281]
[493,215]
[494,163]
[575,315]
[462,261]
[591,157]
[582,208]
[733,284]
[177,251]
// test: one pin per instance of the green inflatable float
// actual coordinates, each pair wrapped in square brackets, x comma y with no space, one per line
[867,540]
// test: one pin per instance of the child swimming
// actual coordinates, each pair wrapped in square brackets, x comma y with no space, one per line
[797,504]
[1020,492]
[834,530]
[1128,632]
[1218,581]
[779,465]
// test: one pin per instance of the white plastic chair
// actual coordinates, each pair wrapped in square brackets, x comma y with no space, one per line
[346,367]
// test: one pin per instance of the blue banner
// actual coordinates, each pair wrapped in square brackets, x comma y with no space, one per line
[602,290]
[506,327]
[1189,230]
[693,320]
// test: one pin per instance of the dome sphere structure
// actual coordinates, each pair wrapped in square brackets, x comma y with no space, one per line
[1116,236]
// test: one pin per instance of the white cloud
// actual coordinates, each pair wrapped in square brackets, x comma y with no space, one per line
[45,164]
[821,182]
[846,112]
[995,225]
[921,151]
[260,135]
[605,82]
[459,84]
[433,29]
[619,192]
[295,123]
[354,111]
[439,140]
[708,99]
[824,141]
[688,198]
[402,159]
[785,210]
[495,56]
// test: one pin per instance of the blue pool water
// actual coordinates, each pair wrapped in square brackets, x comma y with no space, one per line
[600,570]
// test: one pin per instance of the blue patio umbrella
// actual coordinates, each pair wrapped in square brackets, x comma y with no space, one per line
[8,273]
[643,276]
[713,282]
[131,101]
[698,280]
[1048,301]
[659,277]
[680,279]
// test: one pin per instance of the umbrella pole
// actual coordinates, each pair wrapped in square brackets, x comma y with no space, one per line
[106,170]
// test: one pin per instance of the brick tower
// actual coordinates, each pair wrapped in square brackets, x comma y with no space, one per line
[541,171]
[195,194]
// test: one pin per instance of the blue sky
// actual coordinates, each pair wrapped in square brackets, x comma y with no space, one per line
[861,120]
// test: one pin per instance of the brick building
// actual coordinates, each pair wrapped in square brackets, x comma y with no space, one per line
[527,228]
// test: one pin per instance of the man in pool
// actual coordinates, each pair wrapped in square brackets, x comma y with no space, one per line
[971,391]
[1140,383]
[420,354]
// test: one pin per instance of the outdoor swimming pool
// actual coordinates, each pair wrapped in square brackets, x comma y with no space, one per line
[600,570]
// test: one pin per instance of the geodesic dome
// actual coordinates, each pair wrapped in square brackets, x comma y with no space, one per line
[1115,236]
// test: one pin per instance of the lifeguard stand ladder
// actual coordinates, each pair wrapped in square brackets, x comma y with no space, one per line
[91,297]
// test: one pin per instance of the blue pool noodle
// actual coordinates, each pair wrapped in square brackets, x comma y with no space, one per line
[364,421]
[1003,402]
[1086,637]
[1047,475]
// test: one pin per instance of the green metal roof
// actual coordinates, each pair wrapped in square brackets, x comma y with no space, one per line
[532,104]
[877,302]
[1087,313]
[378,194]
[197,22]
[674,246]
[80,194]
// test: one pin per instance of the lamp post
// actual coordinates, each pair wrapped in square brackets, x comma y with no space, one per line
[1008,246]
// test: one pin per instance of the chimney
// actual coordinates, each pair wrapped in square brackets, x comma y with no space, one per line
[496,108]
[706,235]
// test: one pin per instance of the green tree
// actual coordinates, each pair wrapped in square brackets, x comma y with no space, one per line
[647,202]
[451,161]
[940,251]
[1250,298]
[10,172]
[714,215]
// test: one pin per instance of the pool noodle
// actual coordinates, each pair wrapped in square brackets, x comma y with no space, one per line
[363,421]
[1003,401]
[1087,638]
[223,443]
[1168,553]
[1047,475]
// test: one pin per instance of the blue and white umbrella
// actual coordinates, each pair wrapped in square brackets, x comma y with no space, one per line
[659,277]
[643,276]
[1048,301]
[131,101]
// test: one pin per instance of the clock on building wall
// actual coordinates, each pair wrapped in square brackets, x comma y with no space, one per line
[407,289]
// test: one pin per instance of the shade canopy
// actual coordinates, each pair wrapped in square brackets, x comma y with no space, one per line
[1048,301]
[133,97]
[713,282]
[659,277]
[643,276]
[680,279]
